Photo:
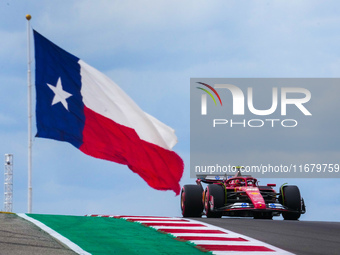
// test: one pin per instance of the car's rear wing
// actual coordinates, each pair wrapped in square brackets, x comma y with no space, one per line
[214,177]
[221,177]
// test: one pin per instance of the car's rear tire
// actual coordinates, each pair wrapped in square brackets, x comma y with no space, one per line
[191,200]
[292,199]
[213,193]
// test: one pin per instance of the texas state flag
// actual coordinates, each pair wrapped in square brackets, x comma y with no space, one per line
[78,104]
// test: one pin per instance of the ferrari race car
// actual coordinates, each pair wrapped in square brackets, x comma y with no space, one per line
[240,196]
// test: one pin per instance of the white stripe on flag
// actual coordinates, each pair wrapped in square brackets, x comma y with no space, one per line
[105,97]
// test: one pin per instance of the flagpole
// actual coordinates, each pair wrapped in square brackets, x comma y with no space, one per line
[29,210]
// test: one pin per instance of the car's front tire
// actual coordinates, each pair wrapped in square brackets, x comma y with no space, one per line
[291,198]
[191,200]
[213,193]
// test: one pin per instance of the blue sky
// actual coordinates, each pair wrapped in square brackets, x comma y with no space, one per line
[151,49]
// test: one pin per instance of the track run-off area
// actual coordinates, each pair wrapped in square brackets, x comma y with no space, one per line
[112,234]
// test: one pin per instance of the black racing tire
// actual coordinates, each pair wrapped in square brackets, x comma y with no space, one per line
[292,199]
[217,192]
[191,200]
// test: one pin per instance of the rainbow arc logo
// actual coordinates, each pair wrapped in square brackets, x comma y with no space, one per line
[204,97]
[209,93]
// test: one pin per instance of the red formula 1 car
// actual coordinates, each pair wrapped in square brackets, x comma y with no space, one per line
[240,196]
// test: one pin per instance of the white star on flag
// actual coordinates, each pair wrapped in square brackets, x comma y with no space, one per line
[60,95]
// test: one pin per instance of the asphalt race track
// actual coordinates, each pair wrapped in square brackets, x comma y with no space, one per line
[299,237]
[18,236]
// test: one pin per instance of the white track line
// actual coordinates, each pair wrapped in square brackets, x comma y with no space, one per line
[56,235]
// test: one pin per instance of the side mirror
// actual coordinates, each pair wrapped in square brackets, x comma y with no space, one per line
[271,185]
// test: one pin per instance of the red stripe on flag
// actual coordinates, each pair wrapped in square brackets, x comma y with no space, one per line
[212,247]
[170,224]
[213,238]
[199,231]
[105,139]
